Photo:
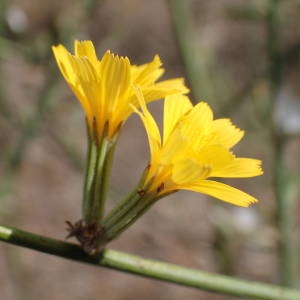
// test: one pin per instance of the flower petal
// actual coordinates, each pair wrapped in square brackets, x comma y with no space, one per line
[115,77]
[174,108]
[175,149]
[86,49]
[214,155]
[238,168]
[150,125]
[188,170]
[225,133]
[74,71]
[147,74]
[65,63]
[222,192]
[196,125]
[164,88]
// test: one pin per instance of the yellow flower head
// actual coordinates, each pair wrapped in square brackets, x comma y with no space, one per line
[194,147]
[105,87]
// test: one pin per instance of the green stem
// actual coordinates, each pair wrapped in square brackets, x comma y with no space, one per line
[121,209]
[184,36]
[96,180]
[134,209]
[89,175]
[99,195]
[150,268]
[195,68]
[285,208]
[106,168]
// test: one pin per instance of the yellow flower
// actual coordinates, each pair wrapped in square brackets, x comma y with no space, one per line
[105,87]
[194,147]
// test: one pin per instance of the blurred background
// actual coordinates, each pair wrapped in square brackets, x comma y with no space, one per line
[242,57]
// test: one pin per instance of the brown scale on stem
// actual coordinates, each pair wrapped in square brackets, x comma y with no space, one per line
[141,192]
[95,131]
[88,235]
[160,187]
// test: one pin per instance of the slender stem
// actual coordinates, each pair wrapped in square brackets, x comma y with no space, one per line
[121,209]
[99,193]
[194,64]
[98,167]
[150,268]
[184,36]
[89,175]
[99,161]
[135,209]
[285,201]
[105,173]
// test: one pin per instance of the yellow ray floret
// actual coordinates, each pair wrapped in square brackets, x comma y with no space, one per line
[194,148]
[104,86]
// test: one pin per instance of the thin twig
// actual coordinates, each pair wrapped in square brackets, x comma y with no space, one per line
[196,73]
[149,268]
[285,211]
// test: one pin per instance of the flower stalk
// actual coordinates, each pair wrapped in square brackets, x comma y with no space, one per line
[99,161]
[89,173]
[89,230]
[127,213]
[97,178]
[130,209]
